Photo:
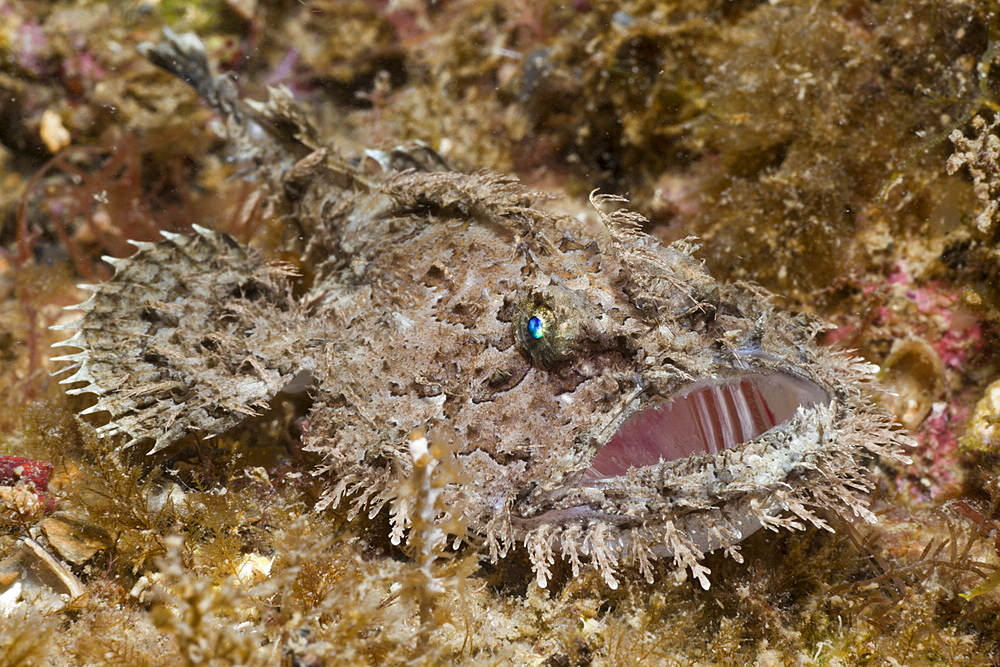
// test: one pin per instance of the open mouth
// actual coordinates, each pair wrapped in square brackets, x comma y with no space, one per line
[705,418]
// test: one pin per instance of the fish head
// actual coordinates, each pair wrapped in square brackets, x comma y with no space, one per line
[601,387]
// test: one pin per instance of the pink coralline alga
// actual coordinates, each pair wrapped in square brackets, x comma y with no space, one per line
[930,320]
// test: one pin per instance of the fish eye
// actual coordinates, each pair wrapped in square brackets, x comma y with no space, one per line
[536,327]
[546,326]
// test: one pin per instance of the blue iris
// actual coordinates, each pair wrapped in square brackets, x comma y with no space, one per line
[536,327]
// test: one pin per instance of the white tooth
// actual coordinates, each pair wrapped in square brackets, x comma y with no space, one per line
[719,411]
[742,410]
[727,432]
[763,419]
[705,422]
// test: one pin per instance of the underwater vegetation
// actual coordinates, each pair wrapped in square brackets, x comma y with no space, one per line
[842,154]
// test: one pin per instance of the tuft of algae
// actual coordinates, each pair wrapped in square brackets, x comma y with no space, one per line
[807,143]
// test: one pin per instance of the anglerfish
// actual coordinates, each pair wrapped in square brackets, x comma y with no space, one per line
[605,400]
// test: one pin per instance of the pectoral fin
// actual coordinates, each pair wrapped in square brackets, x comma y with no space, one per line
[193,334]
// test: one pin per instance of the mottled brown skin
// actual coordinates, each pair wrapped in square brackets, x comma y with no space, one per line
[418,317]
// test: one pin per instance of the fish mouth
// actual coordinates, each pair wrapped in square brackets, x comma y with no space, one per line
[704,418]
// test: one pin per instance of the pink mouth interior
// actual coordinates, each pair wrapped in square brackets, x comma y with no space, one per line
[703,419]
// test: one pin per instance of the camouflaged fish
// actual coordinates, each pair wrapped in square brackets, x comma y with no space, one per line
[606,400]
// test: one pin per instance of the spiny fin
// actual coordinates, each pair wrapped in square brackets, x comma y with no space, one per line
[193,333]
[274,133]
[184,57]
[273,140]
